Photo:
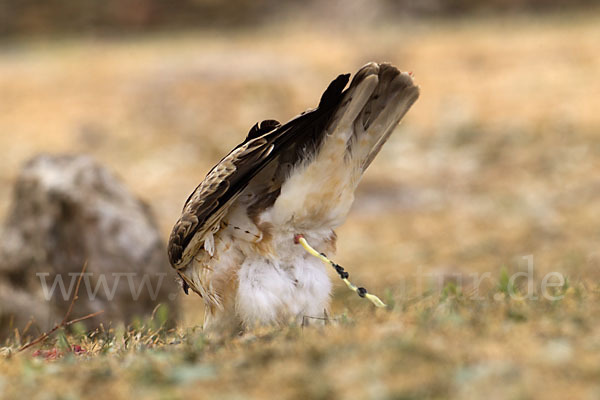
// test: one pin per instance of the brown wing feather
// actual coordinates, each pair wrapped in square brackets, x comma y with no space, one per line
[211,200]
[207,205]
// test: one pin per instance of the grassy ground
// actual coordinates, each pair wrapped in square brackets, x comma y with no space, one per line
[494,167]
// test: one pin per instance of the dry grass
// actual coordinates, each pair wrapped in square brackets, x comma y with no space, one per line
[499,159]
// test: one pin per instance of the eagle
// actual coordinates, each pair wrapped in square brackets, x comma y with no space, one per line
[235,241]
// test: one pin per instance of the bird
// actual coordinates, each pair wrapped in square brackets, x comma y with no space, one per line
[235,243]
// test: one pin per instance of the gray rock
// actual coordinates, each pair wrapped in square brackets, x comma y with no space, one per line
[67,211]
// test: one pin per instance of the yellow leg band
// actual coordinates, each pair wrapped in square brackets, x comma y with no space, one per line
[362,292]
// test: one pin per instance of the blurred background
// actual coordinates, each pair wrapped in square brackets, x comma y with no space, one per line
[498,159]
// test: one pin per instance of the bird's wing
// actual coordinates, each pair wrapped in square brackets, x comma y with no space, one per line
[211,200]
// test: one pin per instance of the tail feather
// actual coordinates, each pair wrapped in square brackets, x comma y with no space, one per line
[392,96]
[355,101]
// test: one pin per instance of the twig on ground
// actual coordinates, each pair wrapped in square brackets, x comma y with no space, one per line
[65,321]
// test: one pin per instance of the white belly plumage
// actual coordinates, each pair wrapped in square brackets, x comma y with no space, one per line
[245,285]
[288,288]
